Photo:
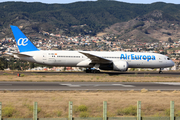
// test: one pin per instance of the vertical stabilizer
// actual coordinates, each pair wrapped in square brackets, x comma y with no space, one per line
[23,43]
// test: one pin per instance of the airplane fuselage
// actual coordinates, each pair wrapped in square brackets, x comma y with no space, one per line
[73,58]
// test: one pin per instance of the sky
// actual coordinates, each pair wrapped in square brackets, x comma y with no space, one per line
[71,1]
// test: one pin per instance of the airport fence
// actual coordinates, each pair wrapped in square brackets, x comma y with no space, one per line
[104,117]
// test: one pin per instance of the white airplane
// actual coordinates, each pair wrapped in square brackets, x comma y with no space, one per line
[118,61]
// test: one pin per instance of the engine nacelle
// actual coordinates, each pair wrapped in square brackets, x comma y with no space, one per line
[120,65]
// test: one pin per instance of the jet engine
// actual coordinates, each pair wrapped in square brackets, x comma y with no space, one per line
[120,65]
[116,65]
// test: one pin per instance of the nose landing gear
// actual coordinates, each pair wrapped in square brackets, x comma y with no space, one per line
[160,70]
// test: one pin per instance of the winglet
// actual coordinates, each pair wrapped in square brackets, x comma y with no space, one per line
[23,43]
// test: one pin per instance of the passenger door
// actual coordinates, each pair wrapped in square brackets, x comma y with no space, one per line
[44,55]
[160,60]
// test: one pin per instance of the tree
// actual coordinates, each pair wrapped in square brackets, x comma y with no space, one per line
[146,32]
[3,63]
[31,65]
[170,40]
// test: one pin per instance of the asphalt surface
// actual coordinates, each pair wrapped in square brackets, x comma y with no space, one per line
[66,86]
[63,86]
[128,73]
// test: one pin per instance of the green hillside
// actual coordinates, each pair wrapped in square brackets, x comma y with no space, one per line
[95,16]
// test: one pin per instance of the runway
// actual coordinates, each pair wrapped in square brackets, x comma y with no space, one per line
[110,73]
[92,86]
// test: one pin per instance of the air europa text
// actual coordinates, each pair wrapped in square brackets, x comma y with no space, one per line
[137,57]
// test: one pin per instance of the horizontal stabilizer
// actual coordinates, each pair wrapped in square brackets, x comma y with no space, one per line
[22,55]
[10,54]
[18,54]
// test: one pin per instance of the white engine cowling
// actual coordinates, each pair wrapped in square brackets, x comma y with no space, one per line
[120,65]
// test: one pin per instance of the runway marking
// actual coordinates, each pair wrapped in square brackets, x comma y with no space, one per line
[169,83]
[123,85]
[70,85]
[97,85]
[102,85]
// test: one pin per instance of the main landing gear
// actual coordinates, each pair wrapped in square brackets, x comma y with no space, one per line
[160,70]
[91,70]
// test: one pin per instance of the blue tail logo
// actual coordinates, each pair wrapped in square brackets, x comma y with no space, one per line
[23,43]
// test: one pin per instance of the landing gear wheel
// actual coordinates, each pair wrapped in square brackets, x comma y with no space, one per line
[96,71]
[92,71]
[160,71]
[87,71]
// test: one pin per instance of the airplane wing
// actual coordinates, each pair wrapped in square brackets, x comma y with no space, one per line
[95,58]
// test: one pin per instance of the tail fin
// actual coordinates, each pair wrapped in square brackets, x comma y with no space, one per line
[23,43]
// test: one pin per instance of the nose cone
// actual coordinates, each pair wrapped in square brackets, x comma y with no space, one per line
[171,63]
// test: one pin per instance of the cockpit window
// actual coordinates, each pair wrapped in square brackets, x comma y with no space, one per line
[168,58]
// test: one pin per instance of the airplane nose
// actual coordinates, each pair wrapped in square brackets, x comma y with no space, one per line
[172,63]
